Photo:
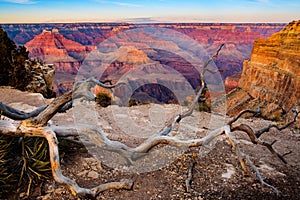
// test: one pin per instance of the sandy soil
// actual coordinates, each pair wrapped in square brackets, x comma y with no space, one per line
[216,174]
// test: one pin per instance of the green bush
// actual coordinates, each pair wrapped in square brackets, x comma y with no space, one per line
[7,177]
[103,99]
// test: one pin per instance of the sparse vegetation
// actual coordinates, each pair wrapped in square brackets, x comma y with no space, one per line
[204,101]
[103,99]
[136,102]
[133,102]
[23,162]
[7,178]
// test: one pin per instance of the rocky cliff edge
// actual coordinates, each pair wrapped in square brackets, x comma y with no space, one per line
[271,78]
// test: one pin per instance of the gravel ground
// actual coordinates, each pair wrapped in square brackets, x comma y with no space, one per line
[216,172]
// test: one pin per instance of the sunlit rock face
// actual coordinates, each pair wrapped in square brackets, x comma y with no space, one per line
[53,48]
[272,74]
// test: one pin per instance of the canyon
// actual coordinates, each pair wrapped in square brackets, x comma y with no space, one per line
[66,44]
[154,63]
[269,79]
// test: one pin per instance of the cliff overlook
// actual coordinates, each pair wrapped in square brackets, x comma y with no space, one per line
[271,77]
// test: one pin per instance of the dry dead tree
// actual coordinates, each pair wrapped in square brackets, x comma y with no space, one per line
[35,124]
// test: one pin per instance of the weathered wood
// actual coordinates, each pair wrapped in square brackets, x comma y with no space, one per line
[26,128]
[8,128]
[69,183]
[83,88]
[248,130]
[258,175]
[267,129]
[52,109]
[16,114]
[189,179]
[234,119]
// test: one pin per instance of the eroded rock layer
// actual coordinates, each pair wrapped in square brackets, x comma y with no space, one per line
[271,77]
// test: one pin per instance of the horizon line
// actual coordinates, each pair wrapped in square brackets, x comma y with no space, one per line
[141,23]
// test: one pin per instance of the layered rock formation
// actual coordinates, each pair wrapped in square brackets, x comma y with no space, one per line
[146,80]
[53,48]
[271,78]
[67,44]
[238,38]
[232,82]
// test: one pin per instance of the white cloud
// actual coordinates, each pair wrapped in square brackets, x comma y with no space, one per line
[259,1]
[124,4]
[19,1]
[263,1]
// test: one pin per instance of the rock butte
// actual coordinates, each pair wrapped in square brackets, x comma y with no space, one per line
[53,48]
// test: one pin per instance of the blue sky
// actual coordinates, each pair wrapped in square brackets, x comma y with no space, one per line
[29,11]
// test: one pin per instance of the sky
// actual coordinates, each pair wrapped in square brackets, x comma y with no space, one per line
[48,11]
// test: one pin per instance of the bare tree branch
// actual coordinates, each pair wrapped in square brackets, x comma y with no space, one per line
[210,60]
[189,179]
[241,114]
[83,88]
[16,114]
[243,157]
[247,129]
[176,119]
[258,175]
[267,129]
[52,109]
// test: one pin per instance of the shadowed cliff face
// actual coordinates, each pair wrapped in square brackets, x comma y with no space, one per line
[272,75]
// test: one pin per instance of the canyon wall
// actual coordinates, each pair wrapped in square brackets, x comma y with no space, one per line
[238,38]
[66,45]
[271,78]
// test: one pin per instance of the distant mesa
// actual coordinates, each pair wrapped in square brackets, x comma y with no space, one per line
[132,55]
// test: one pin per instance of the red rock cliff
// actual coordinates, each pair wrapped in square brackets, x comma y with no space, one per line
[272,75]
[52,47]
